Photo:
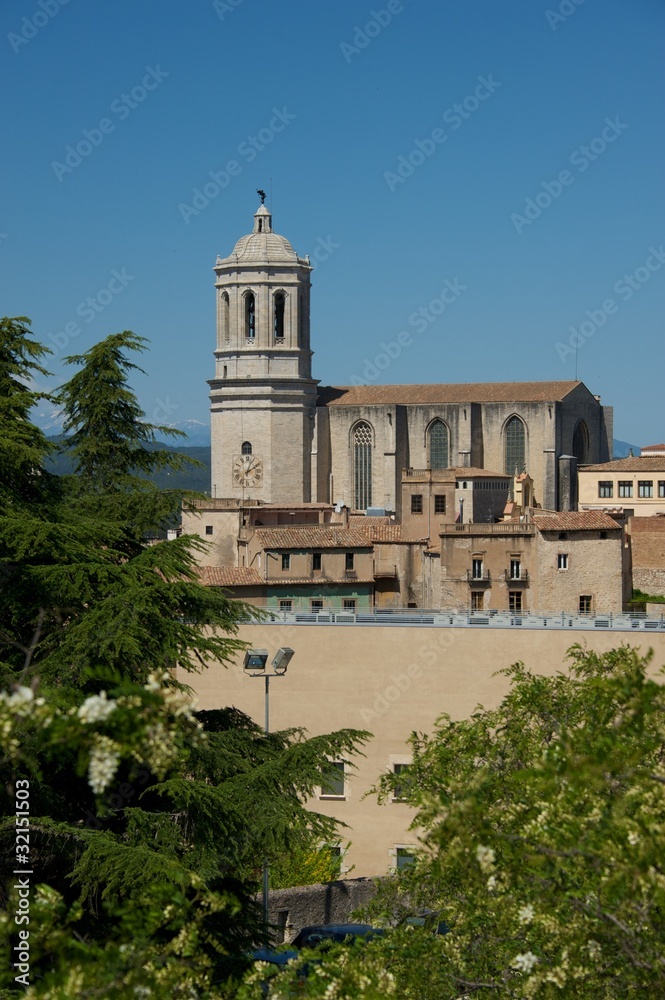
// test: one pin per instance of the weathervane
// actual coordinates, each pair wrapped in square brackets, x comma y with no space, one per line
[261,194]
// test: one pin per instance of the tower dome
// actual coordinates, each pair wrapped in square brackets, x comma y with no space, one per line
[262,245]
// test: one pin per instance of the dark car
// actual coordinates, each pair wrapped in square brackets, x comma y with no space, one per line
[310,936]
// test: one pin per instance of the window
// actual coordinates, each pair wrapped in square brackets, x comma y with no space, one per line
[514,447]
[404,857]
[440,503]
[224,317]
[316,605]
[562,560]
[246,448]
[399,789]
[349,604]
[515,569]
[625,488]
[286,605]
[316,560]
[349,561]
[645,488]
[250,316]
[416,503]
[332,780]
[477,600]
[581,443]
[603,534]
[661,487]
[563,535]
[606,488]
[279,316]
[477,569]
[438,445]
[515,600]
[585,604]
[362,466]
[209,529]
[286,560]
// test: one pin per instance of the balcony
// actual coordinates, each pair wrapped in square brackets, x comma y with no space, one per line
[479,578]
[478,528]
[522,577]
[383,571]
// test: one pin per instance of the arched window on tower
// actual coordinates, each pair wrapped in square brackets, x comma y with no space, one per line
[225,316]
[250,316]
[438,445]
[280,303]
[581,442]
[246,448]
[514,447]
[362,466]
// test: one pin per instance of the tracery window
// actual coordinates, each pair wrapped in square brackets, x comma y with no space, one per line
[438,445]
[515,446]
[362,466]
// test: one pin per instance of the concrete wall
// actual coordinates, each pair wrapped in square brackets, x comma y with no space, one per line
[390,681]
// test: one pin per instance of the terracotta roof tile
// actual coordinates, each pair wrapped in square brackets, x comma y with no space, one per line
[229,576]
[644,463]
[575,520]
[652,447]
[311,537]
[467,392]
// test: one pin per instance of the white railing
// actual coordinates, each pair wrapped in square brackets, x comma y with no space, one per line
[419,617]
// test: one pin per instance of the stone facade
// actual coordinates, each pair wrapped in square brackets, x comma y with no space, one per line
[279,437]
[647,543]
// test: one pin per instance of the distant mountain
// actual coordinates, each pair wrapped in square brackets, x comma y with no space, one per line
[198,433]
[620,449]
[190,478]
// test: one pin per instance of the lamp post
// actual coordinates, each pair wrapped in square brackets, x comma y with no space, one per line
[255,666]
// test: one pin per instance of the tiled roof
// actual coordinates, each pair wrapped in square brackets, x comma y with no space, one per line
[575,520]
[652,447]
[466,392]
[229,576]
[645,463]
[311,537]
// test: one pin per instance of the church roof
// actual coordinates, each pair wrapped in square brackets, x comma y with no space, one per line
[464,392]
[262,246]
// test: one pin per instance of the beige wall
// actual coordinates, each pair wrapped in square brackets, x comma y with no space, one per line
[642,507]
[391,681]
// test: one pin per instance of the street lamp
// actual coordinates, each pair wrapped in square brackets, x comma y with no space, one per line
[255,666]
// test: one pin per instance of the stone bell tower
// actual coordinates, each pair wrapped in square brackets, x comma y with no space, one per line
[263,397]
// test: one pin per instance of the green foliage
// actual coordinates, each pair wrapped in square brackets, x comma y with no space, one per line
[543,835]
[306,866]
[149,823]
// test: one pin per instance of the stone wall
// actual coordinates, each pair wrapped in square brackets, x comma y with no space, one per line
[647,543]
[330,903]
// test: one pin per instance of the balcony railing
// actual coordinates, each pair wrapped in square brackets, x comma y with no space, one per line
[478,528]
[384,571]
[484,577]
[521,577]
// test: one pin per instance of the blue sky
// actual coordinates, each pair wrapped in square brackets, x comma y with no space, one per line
[539,198]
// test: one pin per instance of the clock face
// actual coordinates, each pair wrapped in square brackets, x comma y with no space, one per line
[247,470]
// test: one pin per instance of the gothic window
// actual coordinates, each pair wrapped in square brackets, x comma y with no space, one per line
[514,446]
[362,466]
[581,442]
[438,445]
[225,316]
[280,302]
[246,448]
[250,316]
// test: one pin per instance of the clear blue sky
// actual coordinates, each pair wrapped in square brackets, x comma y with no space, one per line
[359,102]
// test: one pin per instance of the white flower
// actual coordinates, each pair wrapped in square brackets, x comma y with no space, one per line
[19,700]
[104,760]
[593,948]
[485,857]
[525,914]
[633,838]
[525,962]
[96,708]
[491,883]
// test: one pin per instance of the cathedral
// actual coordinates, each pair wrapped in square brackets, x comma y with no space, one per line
[279,437]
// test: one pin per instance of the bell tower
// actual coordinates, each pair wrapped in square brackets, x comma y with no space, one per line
[263,397]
